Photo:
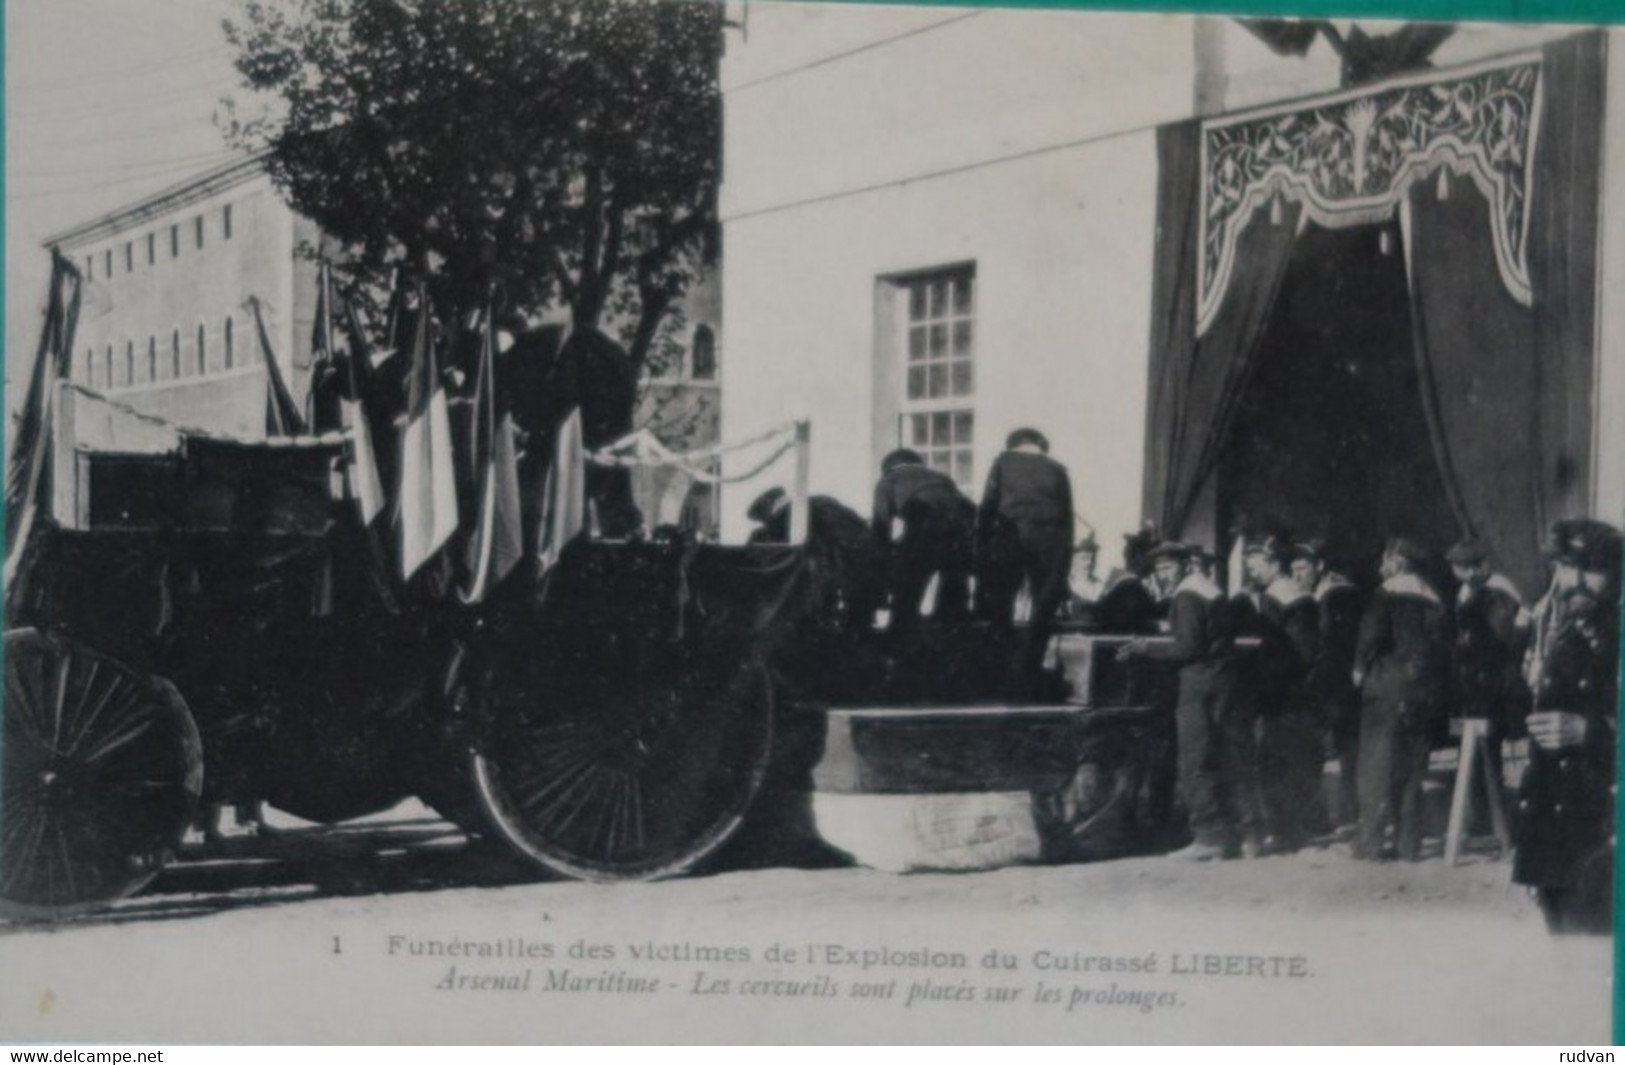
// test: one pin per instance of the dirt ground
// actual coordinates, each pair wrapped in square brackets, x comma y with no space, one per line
[436,943]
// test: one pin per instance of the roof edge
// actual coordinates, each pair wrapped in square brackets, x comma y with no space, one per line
[199,186]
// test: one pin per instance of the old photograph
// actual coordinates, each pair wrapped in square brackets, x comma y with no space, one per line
[558,521]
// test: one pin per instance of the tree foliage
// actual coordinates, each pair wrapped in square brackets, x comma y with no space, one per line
[568,149]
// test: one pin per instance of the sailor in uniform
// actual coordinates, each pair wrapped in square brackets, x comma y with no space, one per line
[1402,668]
[1286,620]
[1214,716]
[1492,633]
[1331,683]
[1565,810]
[925,527]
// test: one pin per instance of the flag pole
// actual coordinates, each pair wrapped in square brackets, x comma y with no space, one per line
[798,500]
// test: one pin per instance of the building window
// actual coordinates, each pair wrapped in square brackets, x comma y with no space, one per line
[225,221]
[175,353]
[107,263]
[938,343]
[152,358]
[129,256]
[152,249]
[90,267]
[197,229]
[175,241]
[703,355]
[89,376]
[202,351]
[129,362]
[229,344]
[107,381]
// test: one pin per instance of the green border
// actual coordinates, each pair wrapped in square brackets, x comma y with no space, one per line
[1587,12]
[1568,11]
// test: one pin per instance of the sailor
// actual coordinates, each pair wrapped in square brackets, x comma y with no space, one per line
[1214,715]
[1492,634]
[1565,810]
[1402,668]
[1331,681]
[1286,620]
[840,547]
[925,527]
[1133,602]
[1024,533]
[1084,585]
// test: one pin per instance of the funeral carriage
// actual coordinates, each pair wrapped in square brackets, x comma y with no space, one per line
[197,620]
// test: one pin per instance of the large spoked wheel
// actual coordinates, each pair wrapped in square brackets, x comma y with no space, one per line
[100,772]
[604,778]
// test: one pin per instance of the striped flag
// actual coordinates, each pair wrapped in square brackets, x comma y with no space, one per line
[564,500]
[497,544]
[428,489]
[282,417]
[361,468]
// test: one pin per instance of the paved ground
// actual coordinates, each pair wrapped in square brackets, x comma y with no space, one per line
[439,944]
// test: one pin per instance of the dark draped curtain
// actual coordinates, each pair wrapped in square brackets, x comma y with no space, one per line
[1507,389]
[1197,384]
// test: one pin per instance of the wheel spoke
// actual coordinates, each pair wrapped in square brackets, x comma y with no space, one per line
[117,741]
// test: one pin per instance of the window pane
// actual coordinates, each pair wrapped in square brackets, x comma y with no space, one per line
[941,428]
[938,385]
[939,341]
[920,431]
[964,381]
[942,460]
[962,470]
[939,298]
[962,427]
[962,338]
[962,295]
[916,302]
[916,382]
[916,342]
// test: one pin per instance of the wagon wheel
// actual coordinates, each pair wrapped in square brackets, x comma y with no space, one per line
[100,772]
[610,779]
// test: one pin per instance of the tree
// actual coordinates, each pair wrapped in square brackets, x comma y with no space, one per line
[568,150]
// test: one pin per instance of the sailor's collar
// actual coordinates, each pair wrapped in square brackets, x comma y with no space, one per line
[1285,592]
[1410,584]
[1332,582]
[1199,585]
[1494,582]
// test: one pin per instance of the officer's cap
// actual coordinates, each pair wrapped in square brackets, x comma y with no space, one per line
[1467,553]
[1027,436]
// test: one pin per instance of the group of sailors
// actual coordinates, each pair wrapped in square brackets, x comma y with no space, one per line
[1297,663]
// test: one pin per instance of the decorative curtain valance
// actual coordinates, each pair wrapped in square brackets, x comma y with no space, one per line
[1351,158]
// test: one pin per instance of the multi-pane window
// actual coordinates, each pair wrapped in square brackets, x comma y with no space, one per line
[939,362]
[225,221]
[202,352]
[129,256]
[107,381]
[229,344]
[107,263]
[152,358]
[175,353]
[152,248]
[197,228]
[175,241]
[129,362]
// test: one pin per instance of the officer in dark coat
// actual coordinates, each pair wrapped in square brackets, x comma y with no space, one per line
[925,528]
[1214,717]
[1132,603]
[843,552]
[1492,630]
[1565,811]
[1331,677]
[1402,667]
[1024,532]
[1284,618]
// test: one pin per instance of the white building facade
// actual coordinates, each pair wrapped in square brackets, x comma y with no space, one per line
[940,226]
[166,326]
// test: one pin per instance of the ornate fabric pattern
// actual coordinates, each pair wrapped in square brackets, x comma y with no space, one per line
[1351,159]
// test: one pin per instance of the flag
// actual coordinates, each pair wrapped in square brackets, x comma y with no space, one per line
[564,500]
[282,416]
[366,483]
[322,413]
[27,473]
[497,544]
[428,489]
